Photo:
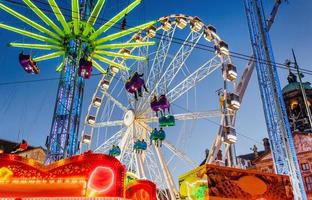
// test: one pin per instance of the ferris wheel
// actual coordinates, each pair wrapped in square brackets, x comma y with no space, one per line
[131,111]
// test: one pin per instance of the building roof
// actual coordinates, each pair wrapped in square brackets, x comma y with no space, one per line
[296,86]
[251,156]
[9,146]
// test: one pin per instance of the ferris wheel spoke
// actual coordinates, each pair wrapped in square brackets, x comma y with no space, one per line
[108,124]
[179,153]
[158,62]
[154,170]
[190,116]
[115,101]
[104,147]
[193,79]
[171,147]
[179,59]
[176,64]
[160,57]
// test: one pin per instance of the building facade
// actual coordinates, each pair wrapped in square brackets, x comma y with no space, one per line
[35,153]
[301,130]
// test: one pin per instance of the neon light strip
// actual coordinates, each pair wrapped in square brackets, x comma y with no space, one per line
[98,67]
[75,16]
[93,17]
[124,45]
[121,55]
[49,56]
[36,46]
[110,62]
[60,67]
[28,34]
[59,16]
[124,33]
[28,21]
[44,18]
[114,20]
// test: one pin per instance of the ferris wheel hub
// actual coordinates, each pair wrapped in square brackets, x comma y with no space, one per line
[129,118]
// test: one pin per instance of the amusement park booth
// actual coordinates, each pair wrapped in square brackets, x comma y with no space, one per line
[223,183]
[79,177]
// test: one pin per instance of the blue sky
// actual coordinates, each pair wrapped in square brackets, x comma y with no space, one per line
[26,109]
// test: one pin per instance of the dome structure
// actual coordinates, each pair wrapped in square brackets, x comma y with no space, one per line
[294,85]
[295,105]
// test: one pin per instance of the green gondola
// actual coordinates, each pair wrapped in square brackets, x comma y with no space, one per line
[165,121]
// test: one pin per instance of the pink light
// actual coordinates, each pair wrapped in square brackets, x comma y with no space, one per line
[101,179]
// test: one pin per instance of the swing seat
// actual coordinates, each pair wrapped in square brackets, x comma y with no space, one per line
[28,64]
[115,151]
[134,83]
[166,121]
[85,68]
[163,102]
[161,135]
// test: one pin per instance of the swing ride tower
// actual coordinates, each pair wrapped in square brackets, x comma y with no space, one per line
[81,45]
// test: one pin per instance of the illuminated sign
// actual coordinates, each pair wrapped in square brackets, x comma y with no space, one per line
[101,180]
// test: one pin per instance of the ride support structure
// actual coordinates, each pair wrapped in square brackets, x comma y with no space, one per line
[63,138]
[282,145]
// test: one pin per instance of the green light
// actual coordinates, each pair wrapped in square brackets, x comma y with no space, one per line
[110,62]
[75,16]
[36,46]
[29,22]
[120,55]
[124,45]
[124,33]
[60,67]
[49,56]
[93,17]
[114,20]
[98,67]
[59,15]
[28,34]
[44,18]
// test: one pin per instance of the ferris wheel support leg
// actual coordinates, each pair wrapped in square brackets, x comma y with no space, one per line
[215,145]
[139,165]
[226,155]
[124,141]
[168,177]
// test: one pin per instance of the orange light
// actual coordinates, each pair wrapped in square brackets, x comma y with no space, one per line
[294,104]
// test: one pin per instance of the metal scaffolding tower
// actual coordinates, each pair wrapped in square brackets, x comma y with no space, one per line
[282,145]
[63,138]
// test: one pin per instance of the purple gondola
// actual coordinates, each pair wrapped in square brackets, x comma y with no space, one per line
[134,83]
[155,105]
[28,64]
[163,102]
[85,68]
